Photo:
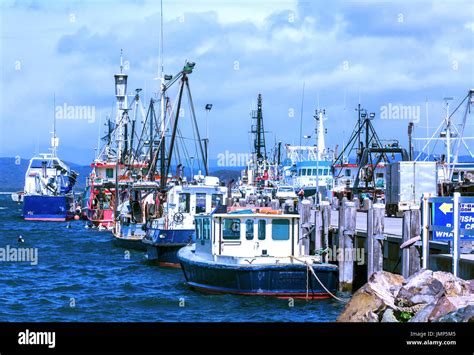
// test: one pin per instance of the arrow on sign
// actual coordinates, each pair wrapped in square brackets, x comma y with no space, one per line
[446,207]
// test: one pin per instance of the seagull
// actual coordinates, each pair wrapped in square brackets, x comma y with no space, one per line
[20,239]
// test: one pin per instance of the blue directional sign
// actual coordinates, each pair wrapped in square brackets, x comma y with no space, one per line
[442,218]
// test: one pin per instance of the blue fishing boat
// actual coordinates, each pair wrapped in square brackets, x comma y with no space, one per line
[175,228]
[254,253]
[48,192]
[309,168]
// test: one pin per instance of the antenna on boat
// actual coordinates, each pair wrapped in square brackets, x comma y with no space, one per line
[54,139]
[301,113]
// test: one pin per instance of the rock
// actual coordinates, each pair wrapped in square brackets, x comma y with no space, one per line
[389,316]
[419,288]
[464,314]
[368,303]
[447,305]
[422,315]
[453,286]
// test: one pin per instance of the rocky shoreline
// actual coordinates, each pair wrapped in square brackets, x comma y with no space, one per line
[426,296]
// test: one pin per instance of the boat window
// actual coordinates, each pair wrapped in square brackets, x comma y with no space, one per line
[280,229]
[303,172]
[200,203]
[217,200]
[184,203]
[249,229]
[320,171]
[348,172]
[198,228]
[231,229]
[313,172]
[109,173]
[261,229]
[206,229]
[38,163]
[299,172]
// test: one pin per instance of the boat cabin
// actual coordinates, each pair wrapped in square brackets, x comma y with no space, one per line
[244,234]
[183,202]
[48,175]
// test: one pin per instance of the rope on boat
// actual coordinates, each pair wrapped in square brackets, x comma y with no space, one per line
[317,279]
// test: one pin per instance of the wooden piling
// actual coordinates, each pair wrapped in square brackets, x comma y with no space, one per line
[346,246]
[325,223]
[375,237]
[317,229]
[411,231]
[305,216]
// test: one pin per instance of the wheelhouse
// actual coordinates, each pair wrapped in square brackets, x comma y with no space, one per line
[247,235]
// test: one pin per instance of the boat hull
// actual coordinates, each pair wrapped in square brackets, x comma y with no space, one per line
[162,245]
[48,208]
[128,243]
[277,280]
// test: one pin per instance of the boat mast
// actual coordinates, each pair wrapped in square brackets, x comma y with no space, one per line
[163,172]
[121,96]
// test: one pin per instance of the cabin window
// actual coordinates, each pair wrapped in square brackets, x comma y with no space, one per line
[206,229]
[199,229]
[348,172]
[379,175]
[314,172]
[261,229]
[109,173]
[183,205]
[299,172]
[280,229]
[37,163]
[217,200]
[200,203]
[231,230]
[249,229]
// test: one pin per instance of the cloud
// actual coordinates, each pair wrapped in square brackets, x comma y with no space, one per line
[380,51]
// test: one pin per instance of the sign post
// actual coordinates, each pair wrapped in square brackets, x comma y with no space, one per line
[456,234]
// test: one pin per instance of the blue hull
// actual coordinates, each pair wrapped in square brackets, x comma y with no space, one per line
[48,208]
[162,245]
[129,244]
[286,280]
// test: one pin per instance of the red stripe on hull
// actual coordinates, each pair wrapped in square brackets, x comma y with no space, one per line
[311,296]
[46,219]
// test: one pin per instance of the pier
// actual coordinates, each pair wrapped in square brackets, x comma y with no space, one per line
[387,243]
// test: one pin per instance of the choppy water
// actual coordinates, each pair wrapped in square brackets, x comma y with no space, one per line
[82,276]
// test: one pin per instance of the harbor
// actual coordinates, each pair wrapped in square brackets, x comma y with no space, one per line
[171,163]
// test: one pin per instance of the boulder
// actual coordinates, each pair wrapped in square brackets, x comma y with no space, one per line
[422,315]
[447,305]
[369,302]
[453,286]
[464,314]
[420,288]
[389,316]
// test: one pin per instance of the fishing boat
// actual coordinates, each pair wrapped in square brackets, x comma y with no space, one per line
[139,204]
[175,227]
[116,165]
[309,168]
[254,252]
[48,189]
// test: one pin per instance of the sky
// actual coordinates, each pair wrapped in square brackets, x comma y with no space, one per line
[389,56]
